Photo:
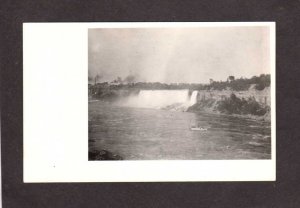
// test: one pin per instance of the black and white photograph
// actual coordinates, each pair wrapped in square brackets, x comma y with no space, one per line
[180,93]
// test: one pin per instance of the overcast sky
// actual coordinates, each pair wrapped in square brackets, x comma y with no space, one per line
[191,55]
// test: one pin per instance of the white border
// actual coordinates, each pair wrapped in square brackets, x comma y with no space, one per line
[56,117]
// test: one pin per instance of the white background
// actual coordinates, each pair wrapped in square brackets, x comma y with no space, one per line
[56,115]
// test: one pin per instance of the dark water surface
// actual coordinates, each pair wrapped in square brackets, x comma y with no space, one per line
[151,134]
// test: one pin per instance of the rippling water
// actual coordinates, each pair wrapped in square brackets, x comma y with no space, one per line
[151,134]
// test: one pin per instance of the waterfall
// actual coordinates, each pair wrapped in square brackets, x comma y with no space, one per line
[193,99]
[177,100]
[161,98]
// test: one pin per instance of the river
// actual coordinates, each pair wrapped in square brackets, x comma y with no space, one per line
[154,134]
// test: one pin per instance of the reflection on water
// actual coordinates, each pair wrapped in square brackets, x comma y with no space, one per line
[151,134]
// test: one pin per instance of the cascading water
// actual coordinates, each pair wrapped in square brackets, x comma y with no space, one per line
[193,99]
[163,99]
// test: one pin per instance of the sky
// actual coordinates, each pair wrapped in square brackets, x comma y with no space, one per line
[178,55]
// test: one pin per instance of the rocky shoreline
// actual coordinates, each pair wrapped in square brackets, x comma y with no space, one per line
[103,155]
[234,106]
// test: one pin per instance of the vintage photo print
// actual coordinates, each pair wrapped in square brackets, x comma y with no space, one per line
[183,93]
[123,102]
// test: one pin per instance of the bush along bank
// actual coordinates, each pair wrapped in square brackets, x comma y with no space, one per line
[233,105]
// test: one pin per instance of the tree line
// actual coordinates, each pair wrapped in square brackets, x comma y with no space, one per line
[240,84]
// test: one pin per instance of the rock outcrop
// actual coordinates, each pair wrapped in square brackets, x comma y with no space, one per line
[103,155]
